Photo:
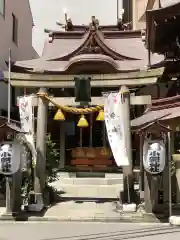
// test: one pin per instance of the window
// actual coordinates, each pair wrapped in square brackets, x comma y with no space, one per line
[14,29]
[2,7]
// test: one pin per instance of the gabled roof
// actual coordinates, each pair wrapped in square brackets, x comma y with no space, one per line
[122,45]
[164,109]
[121,51]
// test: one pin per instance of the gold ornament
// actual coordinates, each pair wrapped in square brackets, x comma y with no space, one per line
[82,122]
[59,115]
[100,116]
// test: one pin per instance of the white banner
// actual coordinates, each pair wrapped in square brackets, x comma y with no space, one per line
[26,118]
[25,111]
[114,125]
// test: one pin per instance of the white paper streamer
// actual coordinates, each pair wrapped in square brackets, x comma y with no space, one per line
[114,125]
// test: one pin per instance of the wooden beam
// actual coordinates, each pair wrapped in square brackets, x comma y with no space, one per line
[70,84]
[70,101]
[66,81]
[114,76]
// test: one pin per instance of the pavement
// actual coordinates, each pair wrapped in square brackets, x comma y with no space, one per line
[85,211]
[86,231]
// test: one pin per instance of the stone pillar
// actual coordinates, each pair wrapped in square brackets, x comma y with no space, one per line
[127,171]
[62,146]
[16,191]
[41,150]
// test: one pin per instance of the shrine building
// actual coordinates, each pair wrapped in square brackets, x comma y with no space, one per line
[110,57]
[78,64]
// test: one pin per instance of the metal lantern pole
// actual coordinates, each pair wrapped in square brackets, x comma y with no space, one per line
[9,87]
[8,185]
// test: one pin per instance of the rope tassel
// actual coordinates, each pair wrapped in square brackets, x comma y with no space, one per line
[59,115]
[100,116]
[82,122]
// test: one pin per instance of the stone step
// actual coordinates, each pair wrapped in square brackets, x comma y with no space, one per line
[84,209]
[89,191]
[89,181]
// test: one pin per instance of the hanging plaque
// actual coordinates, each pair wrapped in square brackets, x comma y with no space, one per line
[154,156]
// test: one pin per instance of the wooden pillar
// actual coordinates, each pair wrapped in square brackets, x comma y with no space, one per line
[141,183]
[166,170]
[104,133]
[147,192]
[151,186]
[41,149]
[177,179]
[16,185]
[127,170]
[91,130]
[62,146]
[158,91]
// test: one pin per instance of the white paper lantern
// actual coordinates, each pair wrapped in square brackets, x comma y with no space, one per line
[154,156]
[10,155]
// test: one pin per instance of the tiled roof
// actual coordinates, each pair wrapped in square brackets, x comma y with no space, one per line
[123,50]
[163,109]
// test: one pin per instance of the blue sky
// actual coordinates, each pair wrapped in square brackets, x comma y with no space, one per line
[46,12]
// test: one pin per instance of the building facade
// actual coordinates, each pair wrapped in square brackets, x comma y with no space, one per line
[16,25]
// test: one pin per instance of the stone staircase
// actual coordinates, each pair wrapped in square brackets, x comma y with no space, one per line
[87,187]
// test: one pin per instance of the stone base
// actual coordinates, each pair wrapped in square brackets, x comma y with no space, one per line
[35,207]
[129,208]
[174,220]
[9,216]
[38,206]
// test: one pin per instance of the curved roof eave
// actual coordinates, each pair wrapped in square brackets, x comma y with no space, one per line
[109,50]
[77,50]
[69,52]
[37,65]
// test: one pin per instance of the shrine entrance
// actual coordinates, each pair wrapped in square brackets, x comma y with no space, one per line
[83,148]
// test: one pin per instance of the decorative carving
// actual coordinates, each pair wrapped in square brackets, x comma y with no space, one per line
[123,26]
[91,46]
[94,25]
[68,26]
[50,37]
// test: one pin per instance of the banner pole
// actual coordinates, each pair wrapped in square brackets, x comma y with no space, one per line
[9,87]
[169,164]
[8,184]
